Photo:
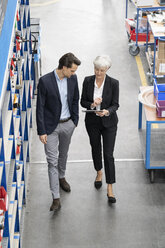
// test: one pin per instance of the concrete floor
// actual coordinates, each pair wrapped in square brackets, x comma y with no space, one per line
[86,220]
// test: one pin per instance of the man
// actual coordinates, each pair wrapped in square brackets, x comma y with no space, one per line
[57,117]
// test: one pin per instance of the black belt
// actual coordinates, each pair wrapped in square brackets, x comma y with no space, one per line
[64,120]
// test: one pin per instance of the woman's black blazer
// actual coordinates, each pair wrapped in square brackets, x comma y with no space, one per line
[110,100]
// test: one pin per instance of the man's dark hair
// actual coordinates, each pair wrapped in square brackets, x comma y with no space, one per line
[67,60]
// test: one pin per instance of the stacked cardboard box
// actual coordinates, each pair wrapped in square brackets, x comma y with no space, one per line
[160,58]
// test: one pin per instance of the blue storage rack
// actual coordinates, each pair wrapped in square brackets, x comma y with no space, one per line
[17,86]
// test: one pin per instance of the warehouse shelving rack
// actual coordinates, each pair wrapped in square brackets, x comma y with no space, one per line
[134,46]
[152,139]
[153,145]
[17,91]
[158,36]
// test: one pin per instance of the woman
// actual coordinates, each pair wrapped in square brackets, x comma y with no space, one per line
[101,94]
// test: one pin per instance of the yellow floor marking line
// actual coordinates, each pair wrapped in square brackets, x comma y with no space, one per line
[43,4]
[141,70]
[143,78]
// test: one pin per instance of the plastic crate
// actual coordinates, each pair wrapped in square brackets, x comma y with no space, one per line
[160,108]
[3,209]
[131,31]
[159,91]
[3,199]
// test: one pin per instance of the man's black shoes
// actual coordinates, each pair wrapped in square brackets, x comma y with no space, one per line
[64,185]
[56,205]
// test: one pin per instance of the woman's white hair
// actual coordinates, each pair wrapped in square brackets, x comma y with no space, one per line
[102,61]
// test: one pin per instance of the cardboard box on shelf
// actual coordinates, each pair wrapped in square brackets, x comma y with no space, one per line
[161,54]
[161,50]
[160,66]
[161,45]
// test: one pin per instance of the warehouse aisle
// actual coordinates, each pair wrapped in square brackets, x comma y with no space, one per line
[86,220]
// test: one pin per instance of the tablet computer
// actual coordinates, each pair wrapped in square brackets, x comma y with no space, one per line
[91,110]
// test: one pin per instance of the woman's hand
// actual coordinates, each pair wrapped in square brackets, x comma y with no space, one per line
[96,102]
[103,113]
[43,138]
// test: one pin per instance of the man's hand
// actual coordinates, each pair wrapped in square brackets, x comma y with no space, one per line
[43,138]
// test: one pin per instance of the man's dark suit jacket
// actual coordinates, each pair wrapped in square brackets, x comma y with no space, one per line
[110,100]
[49,104]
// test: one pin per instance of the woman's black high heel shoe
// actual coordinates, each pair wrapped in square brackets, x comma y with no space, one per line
[111,199]
[98,184]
